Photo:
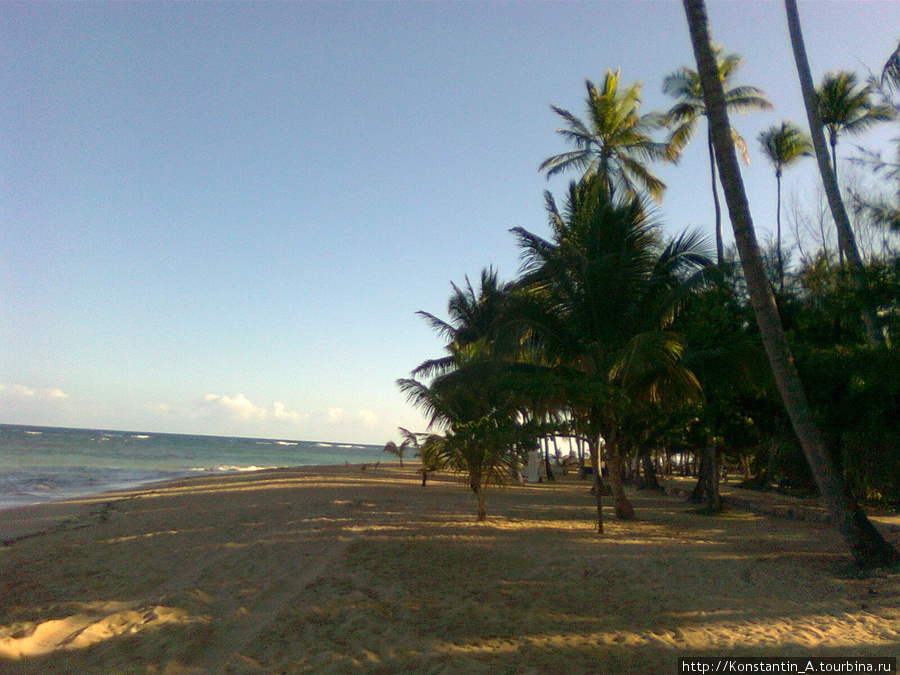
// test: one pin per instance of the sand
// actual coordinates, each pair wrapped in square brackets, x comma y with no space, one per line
[340,570]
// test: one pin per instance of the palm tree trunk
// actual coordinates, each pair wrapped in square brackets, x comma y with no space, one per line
[651,480]
[594,448]
[623,507]
[482,510]
[868,547]
[778,232]
[720,243]
[833,142]
[828,169]
[707,489]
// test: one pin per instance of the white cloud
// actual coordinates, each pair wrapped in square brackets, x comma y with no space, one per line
[368,417]
[21,392]
[335,415]
[240,407]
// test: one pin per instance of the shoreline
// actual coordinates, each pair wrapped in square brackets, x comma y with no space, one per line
[139,484]
[336,569]
[59,510]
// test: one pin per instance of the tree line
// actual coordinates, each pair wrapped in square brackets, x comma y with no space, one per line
[642,346]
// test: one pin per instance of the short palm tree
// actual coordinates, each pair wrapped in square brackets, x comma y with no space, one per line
[467,395]
[783,145]
[616,141]
[410,440]
[477,321]
[684,118]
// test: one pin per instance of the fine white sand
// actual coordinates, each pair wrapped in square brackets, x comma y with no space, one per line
[320,570]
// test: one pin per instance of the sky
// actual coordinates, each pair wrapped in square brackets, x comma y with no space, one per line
[221,218]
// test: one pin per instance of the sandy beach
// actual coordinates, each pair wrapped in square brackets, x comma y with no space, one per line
[341,570]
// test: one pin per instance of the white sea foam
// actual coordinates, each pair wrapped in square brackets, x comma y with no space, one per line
[286,443]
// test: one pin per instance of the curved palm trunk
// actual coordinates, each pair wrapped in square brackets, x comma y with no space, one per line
[868,547]
[720,242]
[828,169]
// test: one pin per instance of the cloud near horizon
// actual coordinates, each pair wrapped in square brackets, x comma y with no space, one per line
[368,417]
[241,408]
[21,392]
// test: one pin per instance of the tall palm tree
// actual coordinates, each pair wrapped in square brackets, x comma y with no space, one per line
[608,291]
[616,141]
[684,118]
[848,107]
[868,547]
[846,239]
[890,74]
[783,145]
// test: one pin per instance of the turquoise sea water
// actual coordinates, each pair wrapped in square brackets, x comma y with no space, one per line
[41,464]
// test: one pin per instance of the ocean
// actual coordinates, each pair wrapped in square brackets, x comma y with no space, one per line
[43,464]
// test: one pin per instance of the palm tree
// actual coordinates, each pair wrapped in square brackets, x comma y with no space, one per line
[867,545]
[476,440]
[471,397]
[890,74]
[848,108]
[478,321]
[846,239]
[410,440]
[685,115]
[608,291]
[784,146]
[616,141]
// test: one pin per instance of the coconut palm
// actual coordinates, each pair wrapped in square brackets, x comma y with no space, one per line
[867,545]
[471,395]
[410,440]
[608,291]
[846,238]
[783,145]
[477,439]
[890,74]
[616,141]
[478,321]
[684,118]
[848,107]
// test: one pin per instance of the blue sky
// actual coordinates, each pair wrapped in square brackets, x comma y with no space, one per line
[222,218]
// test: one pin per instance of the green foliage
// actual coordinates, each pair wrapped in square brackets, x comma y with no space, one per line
[615,142]
[856,396]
